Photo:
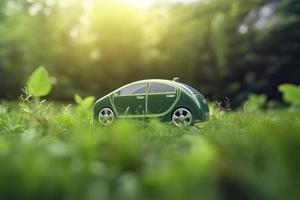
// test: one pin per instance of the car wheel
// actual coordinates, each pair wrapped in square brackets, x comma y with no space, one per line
[106,116]
[182,117]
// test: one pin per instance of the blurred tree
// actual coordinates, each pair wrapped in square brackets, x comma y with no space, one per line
[116,44]
[271,31]
[224,48]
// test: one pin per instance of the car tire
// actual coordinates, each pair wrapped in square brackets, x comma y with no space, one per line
[182,117]
[106,116]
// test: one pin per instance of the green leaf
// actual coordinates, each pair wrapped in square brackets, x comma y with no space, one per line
[255,102]
[84,104]
[78,99]
[87,102]
[39,83]
[291,93]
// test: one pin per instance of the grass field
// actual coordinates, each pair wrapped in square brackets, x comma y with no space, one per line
[50,151]
[53,151]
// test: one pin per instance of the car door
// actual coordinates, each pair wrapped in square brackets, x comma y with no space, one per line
[130,101]
[160,98]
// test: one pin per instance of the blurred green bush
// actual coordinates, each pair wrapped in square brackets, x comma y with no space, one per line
[50,151]
[291,93]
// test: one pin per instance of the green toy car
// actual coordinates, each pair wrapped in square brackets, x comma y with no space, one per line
[169,101]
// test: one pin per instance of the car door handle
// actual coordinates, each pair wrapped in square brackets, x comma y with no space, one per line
[140,97]
[170,95]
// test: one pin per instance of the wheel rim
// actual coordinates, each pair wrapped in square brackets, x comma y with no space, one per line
[106,116]
[182,117]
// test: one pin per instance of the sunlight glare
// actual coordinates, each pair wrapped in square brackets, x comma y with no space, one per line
[142,4]
[146,4]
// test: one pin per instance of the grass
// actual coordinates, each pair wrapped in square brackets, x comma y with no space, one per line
[50,151]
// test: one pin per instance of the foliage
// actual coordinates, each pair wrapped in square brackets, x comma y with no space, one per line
[236,155]
[291,93]
[55,152]
[39,83]
[83,105]
[232,48]
[223,48]
[255,102]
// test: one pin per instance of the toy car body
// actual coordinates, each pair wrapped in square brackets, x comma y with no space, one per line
[169,101]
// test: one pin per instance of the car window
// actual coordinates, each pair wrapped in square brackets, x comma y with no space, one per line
[161,88]
[139,88]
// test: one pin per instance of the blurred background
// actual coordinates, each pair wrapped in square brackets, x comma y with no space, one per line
[223,48]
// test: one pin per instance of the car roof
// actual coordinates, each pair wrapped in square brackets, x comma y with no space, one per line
[168,82]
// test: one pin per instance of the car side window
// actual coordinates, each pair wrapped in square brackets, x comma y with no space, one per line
[156,88]
[139,88]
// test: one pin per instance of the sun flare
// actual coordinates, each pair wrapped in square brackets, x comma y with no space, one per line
[142,4]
